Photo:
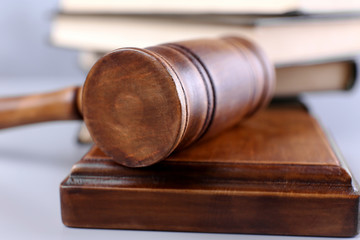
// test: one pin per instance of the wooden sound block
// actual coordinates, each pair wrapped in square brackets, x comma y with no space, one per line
[276,173]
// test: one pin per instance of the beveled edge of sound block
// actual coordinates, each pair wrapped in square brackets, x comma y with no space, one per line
[214,196]
[101,194]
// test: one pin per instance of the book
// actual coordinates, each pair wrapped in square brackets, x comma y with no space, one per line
[273,174]
[328,75]
[291,79]
[284,39]
[210,6]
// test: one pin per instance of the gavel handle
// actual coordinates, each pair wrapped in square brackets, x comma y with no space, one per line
[59,105]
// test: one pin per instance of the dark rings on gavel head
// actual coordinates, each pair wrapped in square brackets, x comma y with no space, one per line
[140,105]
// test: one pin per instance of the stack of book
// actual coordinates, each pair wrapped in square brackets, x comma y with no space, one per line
[311,43]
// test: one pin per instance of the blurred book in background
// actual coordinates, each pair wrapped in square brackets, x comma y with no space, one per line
[285,39]
[210,6]
[312,43]
[292,79]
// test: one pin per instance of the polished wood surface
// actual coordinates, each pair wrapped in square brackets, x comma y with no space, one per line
[140,105]
[59,105]
[274,174]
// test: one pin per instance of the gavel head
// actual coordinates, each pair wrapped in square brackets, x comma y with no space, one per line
[142,104]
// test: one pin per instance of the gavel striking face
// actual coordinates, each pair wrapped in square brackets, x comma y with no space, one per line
[140,105]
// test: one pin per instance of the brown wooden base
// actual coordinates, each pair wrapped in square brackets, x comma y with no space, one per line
[274,174]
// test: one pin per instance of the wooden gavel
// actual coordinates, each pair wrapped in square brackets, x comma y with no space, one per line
[140,105]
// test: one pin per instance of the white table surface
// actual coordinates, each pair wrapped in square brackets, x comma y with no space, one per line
[35,159]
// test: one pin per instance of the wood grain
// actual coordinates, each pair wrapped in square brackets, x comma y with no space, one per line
[59,105]
[140,105]
[274,174]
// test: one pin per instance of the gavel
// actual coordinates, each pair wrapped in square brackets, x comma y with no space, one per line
[140,105]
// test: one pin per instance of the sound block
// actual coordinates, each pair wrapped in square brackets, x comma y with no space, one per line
[276,173]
